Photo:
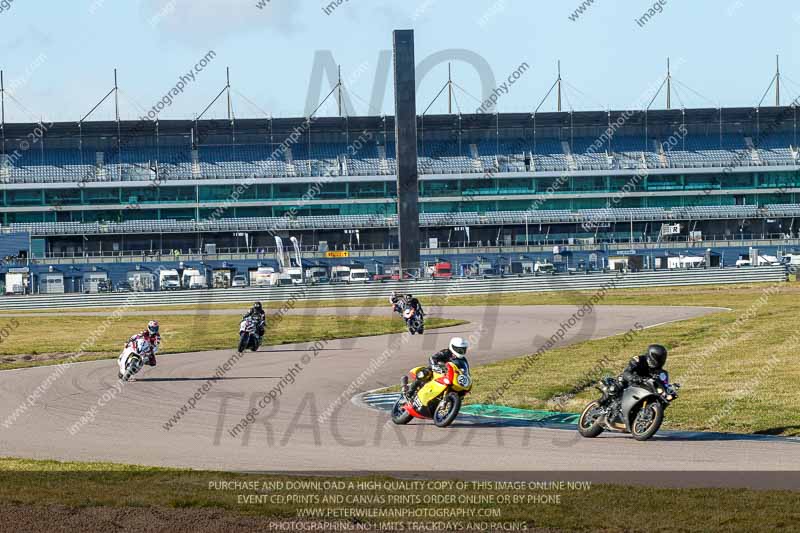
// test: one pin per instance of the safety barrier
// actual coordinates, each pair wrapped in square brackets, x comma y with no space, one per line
[439,287]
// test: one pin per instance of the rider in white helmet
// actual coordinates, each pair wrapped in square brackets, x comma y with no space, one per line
[457,349]
[397,301]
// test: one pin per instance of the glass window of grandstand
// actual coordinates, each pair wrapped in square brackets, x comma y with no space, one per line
[134,213]
[24,197]
[290,191]
[479,187]
[550,184]
[441,188]
[222,193]
[370,189]
[629,184]
[102,215]
[177,194]
[738,181]
[703,199]
[515,186]
[586,184]
[590,203]
[777,180]
[664,183]
[187,213]
[62,197]
[327,191]
[701,182]
[23,217]
[103,196]
[137,195]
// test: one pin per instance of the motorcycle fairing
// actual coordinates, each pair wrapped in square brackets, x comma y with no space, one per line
[631,398]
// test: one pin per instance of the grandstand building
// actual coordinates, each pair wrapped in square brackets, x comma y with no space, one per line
[583,178]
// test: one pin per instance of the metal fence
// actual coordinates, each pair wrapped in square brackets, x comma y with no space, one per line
[451,287]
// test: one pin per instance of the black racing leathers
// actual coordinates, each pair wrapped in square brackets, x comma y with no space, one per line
[261,320]
[638,370]
[440,358]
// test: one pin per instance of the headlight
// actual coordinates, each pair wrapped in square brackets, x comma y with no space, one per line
[660,390]
[420,374]
[669,397]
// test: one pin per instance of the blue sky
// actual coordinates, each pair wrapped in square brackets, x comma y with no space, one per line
[59,55]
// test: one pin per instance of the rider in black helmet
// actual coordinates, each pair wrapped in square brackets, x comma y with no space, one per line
[645,366]
[257,312]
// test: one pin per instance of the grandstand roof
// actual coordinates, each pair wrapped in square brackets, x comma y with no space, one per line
[734,120]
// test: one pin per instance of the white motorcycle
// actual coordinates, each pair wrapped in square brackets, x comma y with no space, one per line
[131,360]
[248,335]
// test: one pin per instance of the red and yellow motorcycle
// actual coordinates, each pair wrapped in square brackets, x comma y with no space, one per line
[439,398]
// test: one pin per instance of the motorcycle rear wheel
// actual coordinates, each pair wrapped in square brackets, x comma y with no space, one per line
[653,413]
[589,428]
[444,419]
[399,415]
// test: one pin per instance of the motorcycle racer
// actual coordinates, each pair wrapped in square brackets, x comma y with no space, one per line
[413,303]
[397,301]
[146,343]
[644,366]
[457,349]
[257,312]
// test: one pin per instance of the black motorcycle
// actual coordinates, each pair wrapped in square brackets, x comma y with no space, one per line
[638,410]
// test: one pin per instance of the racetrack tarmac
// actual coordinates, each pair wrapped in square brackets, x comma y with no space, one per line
[293,434]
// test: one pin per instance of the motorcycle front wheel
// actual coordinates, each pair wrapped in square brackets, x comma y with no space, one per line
[243,342]
[647,421]
[399,415]
[447,410]
[589,422]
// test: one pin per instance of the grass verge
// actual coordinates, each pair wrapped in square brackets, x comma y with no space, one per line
[739,369]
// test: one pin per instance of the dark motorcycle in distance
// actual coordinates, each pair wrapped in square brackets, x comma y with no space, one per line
[639,410]
[248,335]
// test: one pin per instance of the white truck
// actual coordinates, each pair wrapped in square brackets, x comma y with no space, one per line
[340,274]
[261,277]
[544,267]
[358,274]
[278,279]
[168,279]
[316,274]
[296,274]
[791,259]
[762,260]
[193,279]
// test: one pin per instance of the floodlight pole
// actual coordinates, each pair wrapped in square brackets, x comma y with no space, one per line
[669,86]
[228,89]
[116,113]
[449,91]
[116,96]
[777,81]
[2,102]
[558,82]
[339,94]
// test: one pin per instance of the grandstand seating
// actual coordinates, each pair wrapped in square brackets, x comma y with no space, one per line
[426,219]
[502,155]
